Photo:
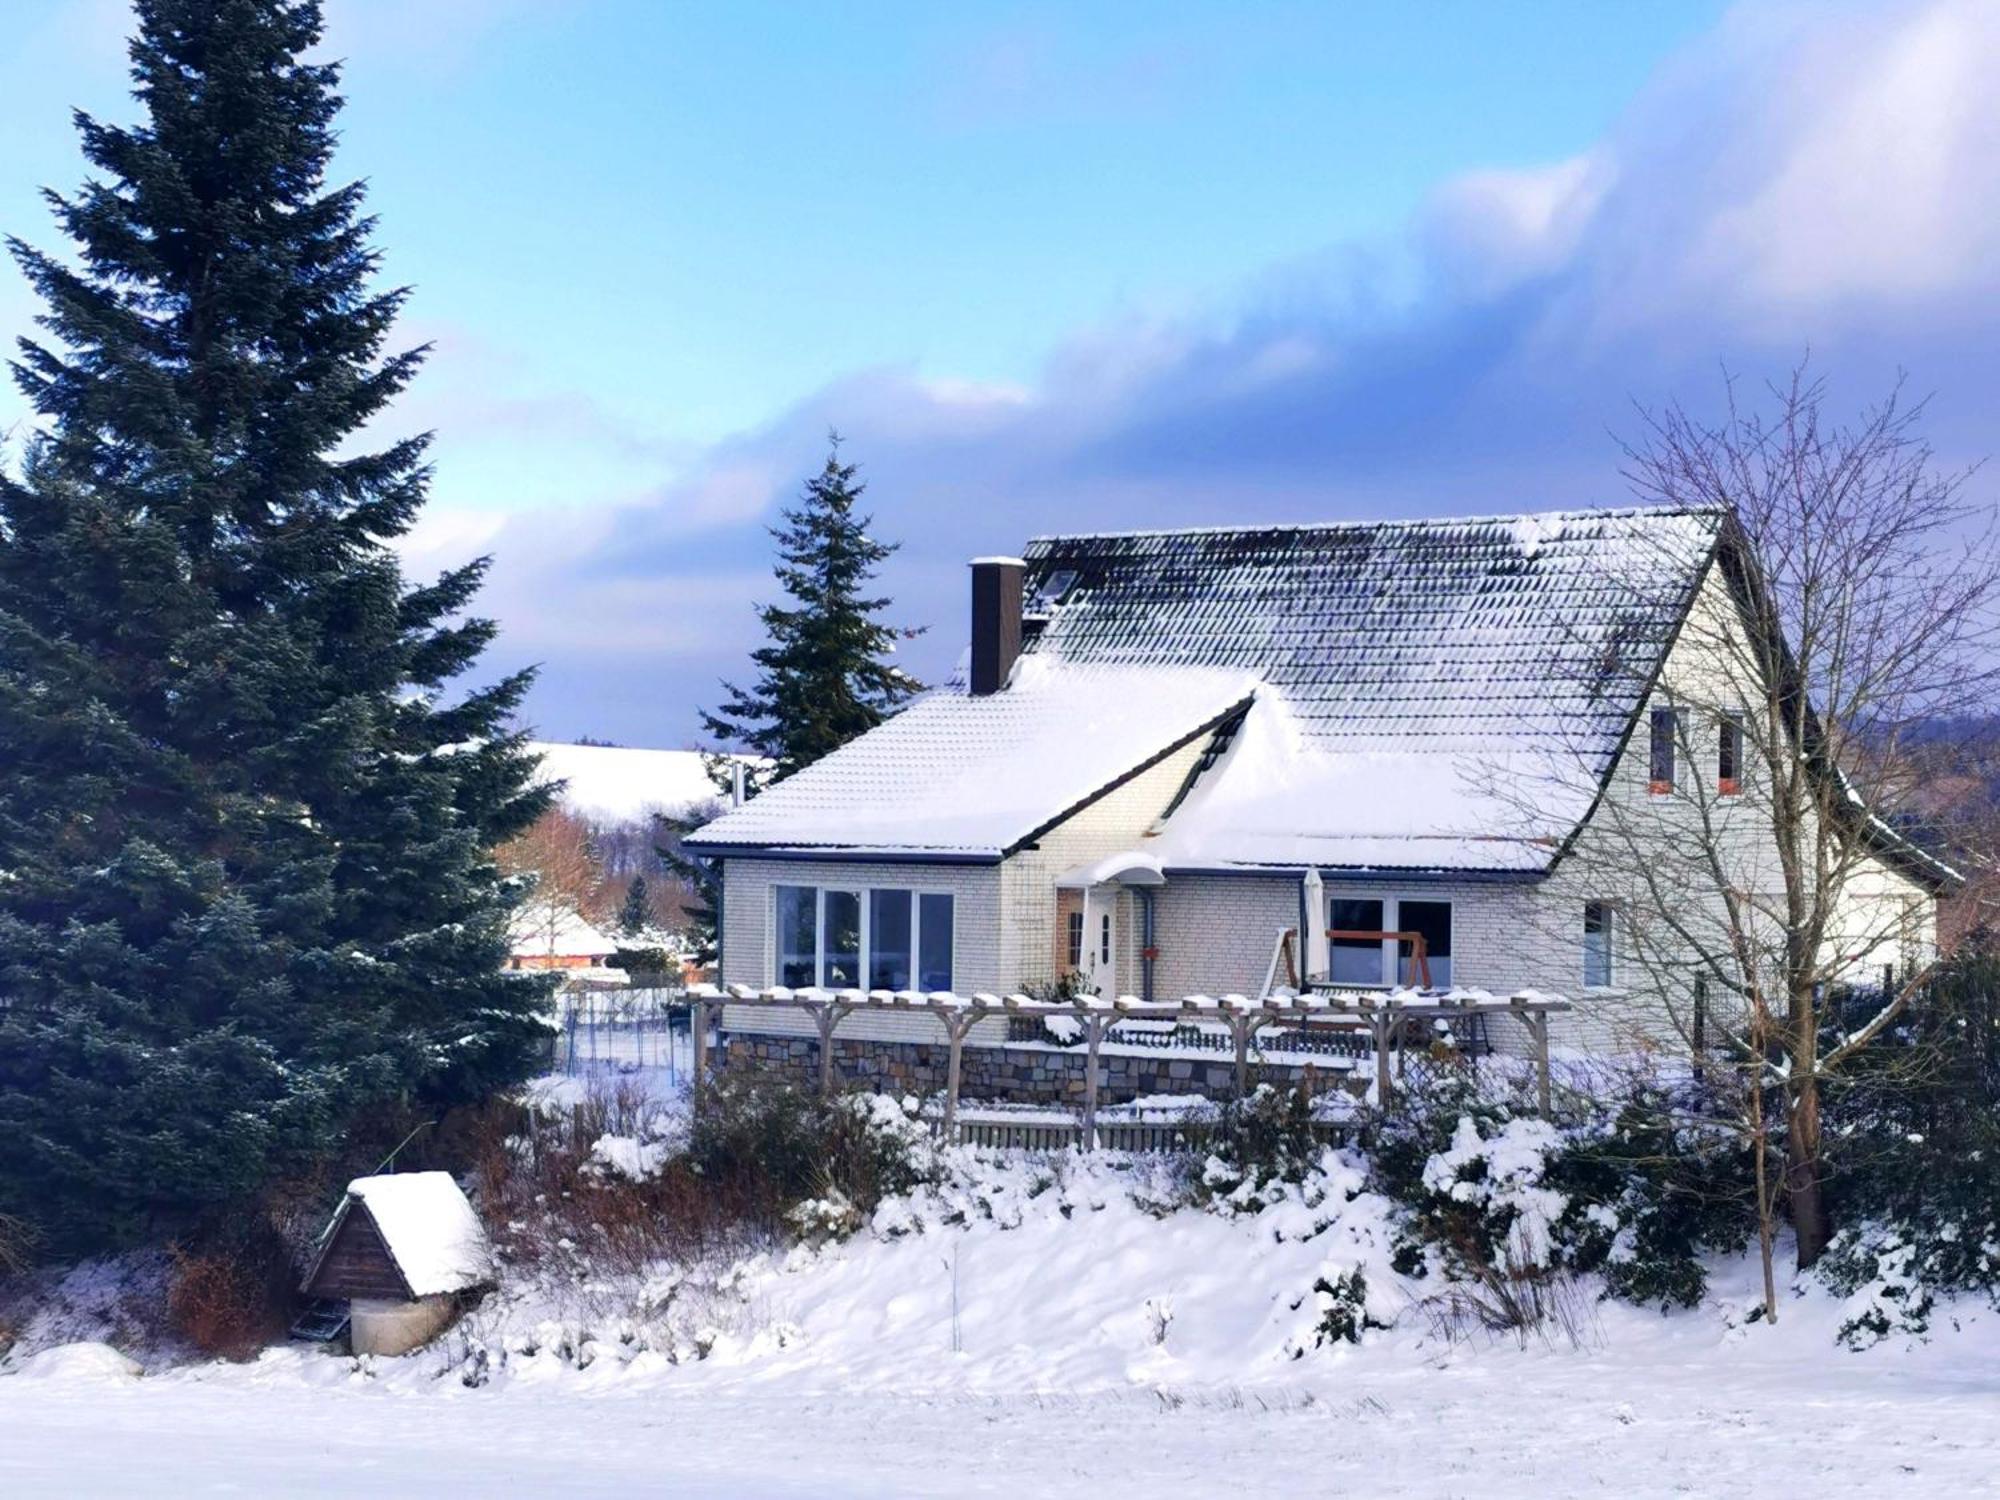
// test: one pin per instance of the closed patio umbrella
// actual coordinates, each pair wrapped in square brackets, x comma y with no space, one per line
[1316,958]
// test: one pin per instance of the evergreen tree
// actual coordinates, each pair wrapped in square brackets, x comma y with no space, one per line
[635,916]
[824,676]
[700,879]
[244,827]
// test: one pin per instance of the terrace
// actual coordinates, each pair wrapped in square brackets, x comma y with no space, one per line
[1362,1032]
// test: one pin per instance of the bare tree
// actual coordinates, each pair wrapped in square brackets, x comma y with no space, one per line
[1767,904]
[559,853]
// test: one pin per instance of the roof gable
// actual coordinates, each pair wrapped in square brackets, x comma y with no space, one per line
[954,774]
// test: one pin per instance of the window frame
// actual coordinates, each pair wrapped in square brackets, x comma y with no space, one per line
[1662,754]
[1729,754]
[1391,961]
[865,894]
[1608,936]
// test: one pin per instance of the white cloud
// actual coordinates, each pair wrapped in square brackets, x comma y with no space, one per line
[1820,176]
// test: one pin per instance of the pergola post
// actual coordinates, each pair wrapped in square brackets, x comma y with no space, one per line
[1384,1090]
[955,1027]
[1241,1025]
[1096,1025]
[826,1017]
[1539,1026]
[700,1028]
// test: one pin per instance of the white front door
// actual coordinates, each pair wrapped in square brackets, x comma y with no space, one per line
[1100,939]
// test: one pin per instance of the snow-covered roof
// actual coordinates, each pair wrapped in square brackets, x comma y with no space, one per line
[1400,672]
[431,1232]
[613,784]
[1394,634]
[1281,797]
[976,776]
[549,929]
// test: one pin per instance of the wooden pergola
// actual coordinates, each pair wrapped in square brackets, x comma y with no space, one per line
[1380,1014]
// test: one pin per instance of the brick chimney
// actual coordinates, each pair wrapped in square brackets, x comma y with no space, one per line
[996,621]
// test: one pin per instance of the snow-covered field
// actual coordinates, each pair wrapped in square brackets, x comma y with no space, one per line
[1496,1425]
[1027,1335]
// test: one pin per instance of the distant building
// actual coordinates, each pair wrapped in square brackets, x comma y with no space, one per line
[549,935]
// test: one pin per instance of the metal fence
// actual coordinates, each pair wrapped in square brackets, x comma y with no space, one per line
[625,1031]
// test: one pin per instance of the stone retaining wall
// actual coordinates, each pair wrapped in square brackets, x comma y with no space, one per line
[1015,1073]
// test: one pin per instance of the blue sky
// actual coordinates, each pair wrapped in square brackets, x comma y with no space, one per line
[1089,265]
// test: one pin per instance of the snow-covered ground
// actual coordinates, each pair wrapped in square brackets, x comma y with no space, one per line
[1028,1332]
[1501,1426]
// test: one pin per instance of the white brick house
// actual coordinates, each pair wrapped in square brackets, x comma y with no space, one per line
[1163,735]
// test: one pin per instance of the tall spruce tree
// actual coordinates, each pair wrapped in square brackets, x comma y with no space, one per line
[824,677]
[244,824]
[636,915]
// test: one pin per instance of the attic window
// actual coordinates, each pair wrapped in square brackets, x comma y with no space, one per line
[1052,591]
[1597,928]
[1661,775]
[1729,755]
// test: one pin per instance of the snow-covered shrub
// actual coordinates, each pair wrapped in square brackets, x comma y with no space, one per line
[771,1146]
[1342,1301]
[1633,1186]
[1264,1137]
[1652,1188]
[1880,1273]
[1913,1140]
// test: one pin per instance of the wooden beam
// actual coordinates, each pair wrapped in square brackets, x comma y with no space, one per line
[1539,1025]
[826,1017]
[1240,1026]
[955,1027]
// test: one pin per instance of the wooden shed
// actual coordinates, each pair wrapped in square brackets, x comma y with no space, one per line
[401,1250]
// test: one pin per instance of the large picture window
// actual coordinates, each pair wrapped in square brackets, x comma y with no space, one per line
[886,938]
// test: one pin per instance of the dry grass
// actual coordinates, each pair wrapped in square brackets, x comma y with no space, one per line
[227,1302]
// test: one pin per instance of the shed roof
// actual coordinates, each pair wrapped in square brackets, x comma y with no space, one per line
[426,1226]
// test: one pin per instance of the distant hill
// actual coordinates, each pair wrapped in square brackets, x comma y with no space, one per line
[611,785]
